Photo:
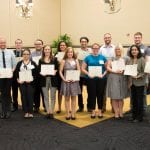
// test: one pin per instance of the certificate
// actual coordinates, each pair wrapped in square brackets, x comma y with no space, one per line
[36,59]
[118,65]
[6,73]
[147,67]
[25,76]
[82,54]
[47,70]
[95,71]
[60,56]
[131,70]
[73,75]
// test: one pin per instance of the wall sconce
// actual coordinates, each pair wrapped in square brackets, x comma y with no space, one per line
[24,8]
[112,6]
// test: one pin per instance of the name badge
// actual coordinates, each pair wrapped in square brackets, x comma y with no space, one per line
[101,62]
[142,50]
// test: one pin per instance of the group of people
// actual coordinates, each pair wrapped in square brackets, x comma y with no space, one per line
[108,83]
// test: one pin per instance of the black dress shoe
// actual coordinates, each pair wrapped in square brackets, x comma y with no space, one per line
[36,110]
[51,116]
[58,111]
[3,116]
[100,116]
[14,109]
[8,115]
[67,118]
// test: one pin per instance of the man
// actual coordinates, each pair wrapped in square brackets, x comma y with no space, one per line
[18,54]
[146,53]
[38,91]
[85,51]
[7,62]
[107,50]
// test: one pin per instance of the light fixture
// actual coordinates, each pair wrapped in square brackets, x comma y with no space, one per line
[24,8]
[112,6]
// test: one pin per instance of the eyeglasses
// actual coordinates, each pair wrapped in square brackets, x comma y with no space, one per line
[25,54]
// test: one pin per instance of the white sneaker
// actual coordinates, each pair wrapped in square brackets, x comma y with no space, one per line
[26,115]
[30,115]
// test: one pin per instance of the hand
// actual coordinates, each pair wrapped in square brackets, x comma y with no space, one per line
[55,72]
[20,82]
[90,76]
[100,76]
[134,77]
[119,71]
[42,74]
[28,81]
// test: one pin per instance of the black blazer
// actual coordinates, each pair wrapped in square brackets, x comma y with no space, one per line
[54,79]
[34,71]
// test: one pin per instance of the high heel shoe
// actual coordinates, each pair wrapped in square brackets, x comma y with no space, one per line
[68,118]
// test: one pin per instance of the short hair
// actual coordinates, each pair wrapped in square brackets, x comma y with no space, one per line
[95,44]
[19,40]
[106,34]
[40,41]
[85,38]
[138,33]
[138,48]
[65,56]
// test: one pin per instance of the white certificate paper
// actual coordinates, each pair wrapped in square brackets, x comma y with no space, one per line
[6,73]
[147,67]
[25,76]
[95,71]
[118,65]
[82,54]
[73,75]
[131,70]
[47,70]
[60,56]
[36,59]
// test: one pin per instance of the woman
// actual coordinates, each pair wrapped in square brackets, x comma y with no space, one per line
[62,46]
[117,85]
[47,81]
[27,85]
[70,89]
[95,83]
[137,83]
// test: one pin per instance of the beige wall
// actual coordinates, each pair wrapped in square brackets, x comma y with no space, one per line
[87,18]
[44,24]
[76,18]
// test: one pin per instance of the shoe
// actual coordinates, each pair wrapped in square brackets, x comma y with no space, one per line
[100,116]
[51,116]
[36,110]
[14,109]
[73,118]
[26,115]
[58,111]
[8,115]
[3,116]
[30,116]
[117,118]
[80,110]
[135,121]
[67,118]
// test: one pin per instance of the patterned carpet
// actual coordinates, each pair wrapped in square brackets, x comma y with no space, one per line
[39,133]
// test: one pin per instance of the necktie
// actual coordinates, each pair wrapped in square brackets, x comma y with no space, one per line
[3,56]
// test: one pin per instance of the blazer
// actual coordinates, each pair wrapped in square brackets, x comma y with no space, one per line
[34,71]
[54,78]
